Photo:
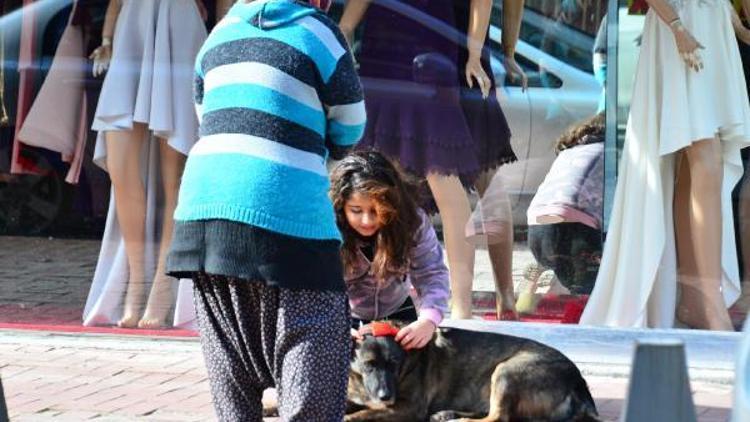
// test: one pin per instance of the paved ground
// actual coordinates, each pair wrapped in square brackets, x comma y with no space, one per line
[74,378]
[52,377]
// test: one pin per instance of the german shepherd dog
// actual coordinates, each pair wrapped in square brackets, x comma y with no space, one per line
[465,375]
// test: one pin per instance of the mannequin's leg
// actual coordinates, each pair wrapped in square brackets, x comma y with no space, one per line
[743,304]
[501,253]
[123,165]
[455,210]
[698,232]
[161,296]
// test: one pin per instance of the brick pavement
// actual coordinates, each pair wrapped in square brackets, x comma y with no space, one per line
[108,378]
[45,281]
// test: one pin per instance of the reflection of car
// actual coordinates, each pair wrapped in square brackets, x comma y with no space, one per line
[562,91]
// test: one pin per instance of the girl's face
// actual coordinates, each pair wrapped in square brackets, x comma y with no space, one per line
[362,214]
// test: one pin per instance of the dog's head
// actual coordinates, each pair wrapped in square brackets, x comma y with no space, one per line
[377,362]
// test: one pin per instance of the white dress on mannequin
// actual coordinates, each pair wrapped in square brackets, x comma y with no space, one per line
[672,106]
[149,81]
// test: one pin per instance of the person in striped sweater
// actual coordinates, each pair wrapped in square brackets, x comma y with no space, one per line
[276,93]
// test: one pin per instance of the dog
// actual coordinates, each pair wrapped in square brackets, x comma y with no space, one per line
[465,375]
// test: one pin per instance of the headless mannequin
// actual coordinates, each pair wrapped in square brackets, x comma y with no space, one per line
[449,194]
[123,165]
[697,211]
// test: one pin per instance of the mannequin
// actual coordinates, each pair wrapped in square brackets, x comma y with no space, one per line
[676,255]
[450,119]
[146,127]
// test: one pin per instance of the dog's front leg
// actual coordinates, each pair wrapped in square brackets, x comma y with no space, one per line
[394,414]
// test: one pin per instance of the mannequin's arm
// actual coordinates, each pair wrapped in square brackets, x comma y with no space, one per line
[110,20]
[512,16]
[352,16]
[102,54]
[479,21]
[222,7]
[687,45]
[746,9]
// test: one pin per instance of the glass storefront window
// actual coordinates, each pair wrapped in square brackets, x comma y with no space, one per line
[496,153]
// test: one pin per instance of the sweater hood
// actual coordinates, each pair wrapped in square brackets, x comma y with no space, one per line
[269,14]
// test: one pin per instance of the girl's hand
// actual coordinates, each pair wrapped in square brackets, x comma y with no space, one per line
[688,46]
[356,335]
[474,70]
[515,72]
[202,9]
[416,335]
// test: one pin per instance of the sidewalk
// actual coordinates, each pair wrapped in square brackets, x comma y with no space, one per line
[57,377]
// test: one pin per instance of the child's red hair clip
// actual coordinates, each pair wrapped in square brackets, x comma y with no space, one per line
[383,329]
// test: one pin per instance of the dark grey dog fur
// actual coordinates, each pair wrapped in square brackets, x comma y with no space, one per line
[466,375]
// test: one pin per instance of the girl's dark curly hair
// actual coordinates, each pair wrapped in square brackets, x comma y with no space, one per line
[370,173]
[589,131]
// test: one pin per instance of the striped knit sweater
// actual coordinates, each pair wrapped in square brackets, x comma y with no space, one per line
[275,91]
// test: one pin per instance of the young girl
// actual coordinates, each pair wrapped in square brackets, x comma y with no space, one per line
[389,247]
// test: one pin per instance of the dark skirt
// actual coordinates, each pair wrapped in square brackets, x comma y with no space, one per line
[420,110]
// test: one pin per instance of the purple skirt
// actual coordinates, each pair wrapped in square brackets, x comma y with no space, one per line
[420,110]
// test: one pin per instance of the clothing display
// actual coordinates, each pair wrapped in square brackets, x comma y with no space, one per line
[420,110]
[149,81]
[672,107]
[57,119]
[20,163]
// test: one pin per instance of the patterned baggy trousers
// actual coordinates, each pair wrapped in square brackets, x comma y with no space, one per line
[256,336]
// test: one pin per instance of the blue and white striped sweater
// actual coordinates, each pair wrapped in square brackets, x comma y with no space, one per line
[275,92]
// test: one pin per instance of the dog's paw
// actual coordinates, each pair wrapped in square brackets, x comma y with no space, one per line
[444,416]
